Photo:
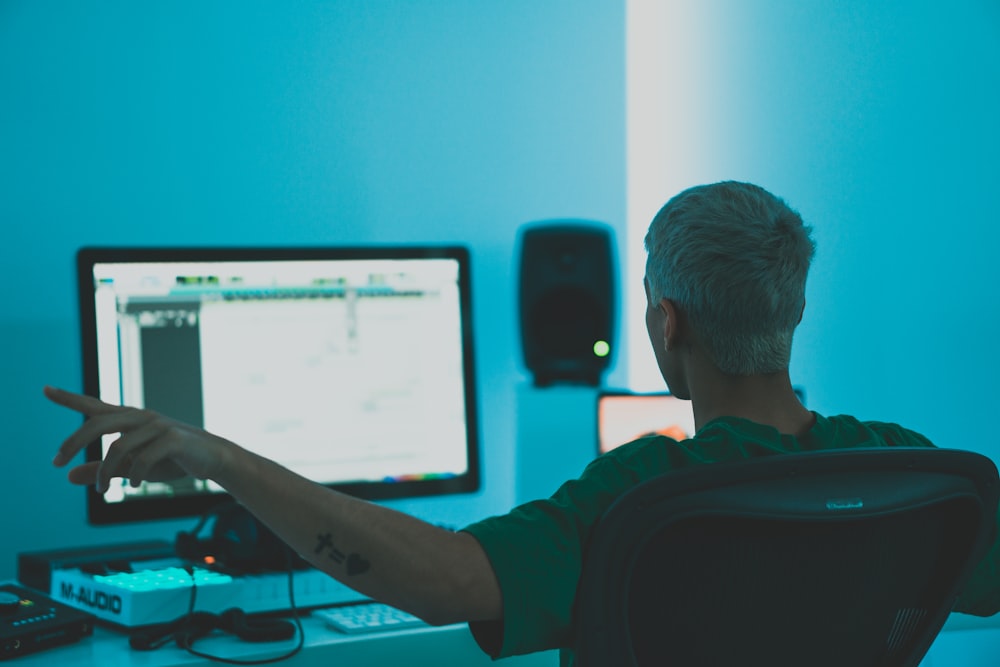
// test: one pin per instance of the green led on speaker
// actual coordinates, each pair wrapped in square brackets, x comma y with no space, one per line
[601,348]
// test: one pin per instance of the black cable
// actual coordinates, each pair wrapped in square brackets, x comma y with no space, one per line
[196,624]
[186,642]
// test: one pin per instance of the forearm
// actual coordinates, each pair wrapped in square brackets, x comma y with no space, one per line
[436,574]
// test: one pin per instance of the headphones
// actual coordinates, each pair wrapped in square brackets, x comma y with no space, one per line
[186,629]
[239,543]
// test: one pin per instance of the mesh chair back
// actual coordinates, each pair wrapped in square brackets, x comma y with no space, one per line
[852,557]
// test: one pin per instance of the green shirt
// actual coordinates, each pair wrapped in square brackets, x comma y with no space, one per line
[536,550]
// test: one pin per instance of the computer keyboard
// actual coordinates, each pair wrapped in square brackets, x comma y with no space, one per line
[366,617]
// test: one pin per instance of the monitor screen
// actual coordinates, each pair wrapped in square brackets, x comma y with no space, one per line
[350,366]
[623,416]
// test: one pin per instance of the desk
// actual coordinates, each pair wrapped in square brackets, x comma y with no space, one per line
[965,642]
[420,647]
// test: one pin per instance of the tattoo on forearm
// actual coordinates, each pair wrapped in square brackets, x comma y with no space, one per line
[325,541]
[354,562]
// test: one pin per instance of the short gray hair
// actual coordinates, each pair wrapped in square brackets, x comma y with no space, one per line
[734,258]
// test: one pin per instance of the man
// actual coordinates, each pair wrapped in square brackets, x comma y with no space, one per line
[725,286]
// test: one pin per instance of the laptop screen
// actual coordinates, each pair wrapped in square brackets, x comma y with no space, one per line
[623,416]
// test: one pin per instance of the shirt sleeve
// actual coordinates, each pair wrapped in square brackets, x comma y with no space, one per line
[894,435]
[536,552]
[981,595]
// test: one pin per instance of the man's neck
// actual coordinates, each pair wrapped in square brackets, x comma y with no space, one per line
[766,399]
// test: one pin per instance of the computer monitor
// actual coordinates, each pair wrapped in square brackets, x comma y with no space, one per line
[352,366]
[623,416]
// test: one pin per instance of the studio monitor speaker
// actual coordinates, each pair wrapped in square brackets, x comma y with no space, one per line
[567,300]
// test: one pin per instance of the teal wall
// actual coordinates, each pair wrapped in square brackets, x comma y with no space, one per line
[315,122]
[878,121]
[286,123]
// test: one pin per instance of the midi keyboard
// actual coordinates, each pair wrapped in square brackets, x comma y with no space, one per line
[160,592]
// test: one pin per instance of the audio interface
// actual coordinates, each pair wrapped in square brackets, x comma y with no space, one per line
[31,621]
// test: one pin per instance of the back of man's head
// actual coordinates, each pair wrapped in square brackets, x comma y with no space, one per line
[734,259]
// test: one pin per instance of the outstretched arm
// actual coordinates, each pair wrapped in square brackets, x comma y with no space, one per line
[436,574]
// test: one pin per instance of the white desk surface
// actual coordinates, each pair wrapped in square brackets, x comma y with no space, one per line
[966,641]
[964,644]
[420,647]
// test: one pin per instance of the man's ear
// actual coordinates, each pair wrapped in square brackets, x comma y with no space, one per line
[802,311]
[671,323]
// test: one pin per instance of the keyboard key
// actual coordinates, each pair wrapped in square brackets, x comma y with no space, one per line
[367,617]
[162,579]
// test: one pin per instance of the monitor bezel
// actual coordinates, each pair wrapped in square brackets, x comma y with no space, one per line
[100,512]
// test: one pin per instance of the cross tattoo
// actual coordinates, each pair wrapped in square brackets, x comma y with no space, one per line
[324,541]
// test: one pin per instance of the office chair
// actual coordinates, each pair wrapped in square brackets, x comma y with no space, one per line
[839,558]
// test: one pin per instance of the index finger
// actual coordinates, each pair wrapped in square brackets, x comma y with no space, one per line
[87,405]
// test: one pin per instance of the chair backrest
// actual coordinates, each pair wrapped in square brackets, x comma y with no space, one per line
[847,557]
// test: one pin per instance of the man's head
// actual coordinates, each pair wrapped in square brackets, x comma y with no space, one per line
[733,259]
